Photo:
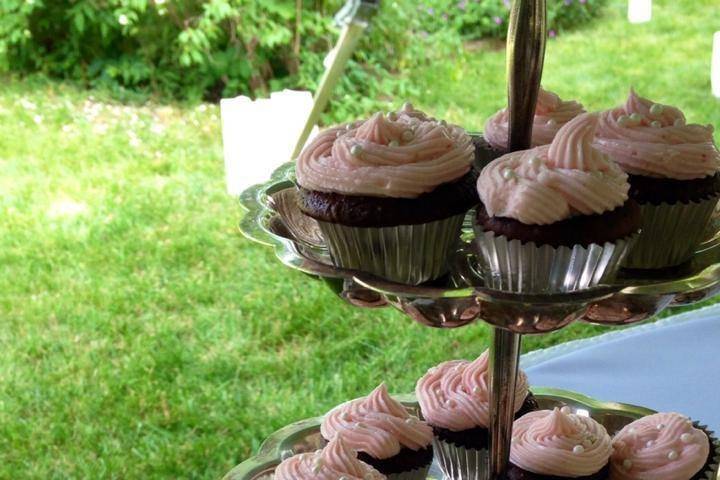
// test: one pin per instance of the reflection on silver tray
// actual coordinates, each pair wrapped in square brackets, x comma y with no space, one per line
[304,436]
[274,219]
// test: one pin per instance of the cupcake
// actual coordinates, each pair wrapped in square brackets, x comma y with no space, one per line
[555,218]
[673,168]
[335,461]
[556,444]
[390,193]
[551,113]
[454,400]
[385,435]
[664,446]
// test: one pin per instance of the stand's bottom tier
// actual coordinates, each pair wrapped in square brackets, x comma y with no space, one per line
[304,436]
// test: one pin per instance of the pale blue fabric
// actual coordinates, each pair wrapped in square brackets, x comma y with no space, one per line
[670,365]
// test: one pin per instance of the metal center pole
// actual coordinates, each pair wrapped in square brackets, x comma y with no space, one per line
[527,34]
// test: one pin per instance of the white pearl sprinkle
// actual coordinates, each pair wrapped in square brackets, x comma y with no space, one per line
[623,120]
[686,438]
[343,478]
[476,389]
[535,162]
[649,443]
[566,410]
[450,403]
[408,135]
[348,127]
[338,133]
[636,118]
[407,106]
[660,426]
[657,109]
[409,420]
[355,150]
[578,449]
[508,174]
[393,143]
[655,124]
[673,455]
[627,464]
[679,122]
[285,454]
[552,122]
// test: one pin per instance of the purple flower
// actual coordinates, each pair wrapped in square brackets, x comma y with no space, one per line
[583,1]
[506,3]
[431,11]
[568,2]
[462,5]
[497,20]
[552,34]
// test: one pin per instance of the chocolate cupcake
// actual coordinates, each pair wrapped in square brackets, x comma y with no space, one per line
[551,113]
[390,193]
[664,446]
[556,444]
[385,435]
[454,400]
[555,218]
[673,170]
[333,462]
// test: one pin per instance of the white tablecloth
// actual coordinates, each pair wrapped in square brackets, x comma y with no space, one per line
[669,365]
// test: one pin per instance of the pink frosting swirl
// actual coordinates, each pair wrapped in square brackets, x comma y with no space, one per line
[400,155]
[664,446]
[651,139]
[336,460]
[377,424]
[455,394]
[554,182]
[553,442]
[551,113]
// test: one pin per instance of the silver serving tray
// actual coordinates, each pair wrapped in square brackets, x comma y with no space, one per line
[273,218]
[304,436]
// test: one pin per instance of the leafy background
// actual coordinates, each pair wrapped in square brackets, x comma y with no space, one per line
[191,49]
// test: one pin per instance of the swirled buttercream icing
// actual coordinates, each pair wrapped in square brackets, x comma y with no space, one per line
[455,394]
[398,155]
[654,140]
[554,182]
[378,425]
[551,113]
[664,446]
[559,443]
[336,461]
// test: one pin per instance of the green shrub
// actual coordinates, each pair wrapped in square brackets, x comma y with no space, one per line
[192,49]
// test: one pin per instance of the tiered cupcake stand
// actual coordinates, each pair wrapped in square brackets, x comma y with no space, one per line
[272,218]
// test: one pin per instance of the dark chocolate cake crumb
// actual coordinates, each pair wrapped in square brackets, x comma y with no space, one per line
[667,190]
[405,461]
[445,201]
[583,230]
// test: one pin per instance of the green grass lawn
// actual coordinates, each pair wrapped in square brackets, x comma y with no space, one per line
[142,337]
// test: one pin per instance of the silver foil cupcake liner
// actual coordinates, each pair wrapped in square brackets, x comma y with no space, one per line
[417,474]
[513,266]
[458,463]
[670,233]
[410,254]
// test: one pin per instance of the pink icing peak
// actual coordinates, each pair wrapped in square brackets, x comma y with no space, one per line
[551,113]
[663,446]
[401,155]
[554,182]
[573,148]
[336,460]
[653,139]
[555,443]
[377,424]
[455,394]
